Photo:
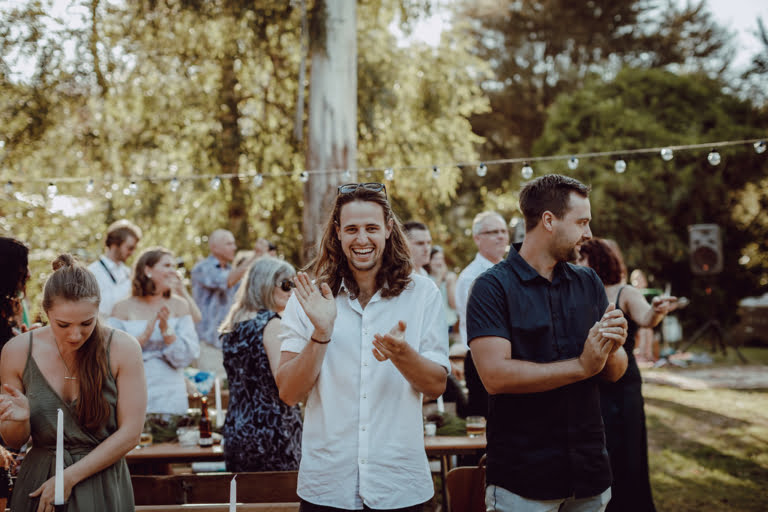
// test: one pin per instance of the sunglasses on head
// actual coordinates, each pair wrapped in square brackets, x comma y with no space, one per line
[286,285]
[373,187]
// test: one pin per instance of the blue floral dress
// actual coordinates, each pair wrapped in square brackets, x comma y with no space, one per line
[261,432]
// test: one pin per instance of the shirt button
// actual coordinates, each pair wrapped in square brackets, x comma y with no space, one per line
[365,396]
[363,428]
[365,363]
[363,461]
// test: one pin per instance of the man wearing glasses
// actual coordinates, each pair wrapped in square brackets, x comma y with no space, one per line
[361,345]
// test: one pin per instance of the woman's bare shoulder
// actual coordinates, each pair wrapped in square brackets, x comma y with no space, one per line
[178,306]
[123,308]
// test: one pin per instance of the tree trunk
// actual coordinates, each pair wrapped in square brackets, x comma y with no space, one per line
[229,148]
[332,134]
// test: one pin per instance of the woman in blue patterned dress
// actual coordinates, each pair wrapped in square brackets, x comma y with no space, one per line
[261,432]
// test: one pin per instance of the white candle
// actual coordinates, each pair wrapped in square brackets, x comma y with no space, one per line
[233,495]
[58,483]
[440,405]
[219,415]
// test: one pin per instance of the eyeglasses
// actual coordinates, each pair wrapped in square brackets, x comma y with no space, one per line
[286,285]
[494,232]
[373,187]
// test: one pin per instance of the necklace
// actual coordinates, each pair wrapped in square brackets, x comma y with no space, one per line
[68,376]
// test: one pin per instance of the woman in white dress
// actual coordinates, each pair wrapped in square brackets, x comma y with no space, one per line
[163,324]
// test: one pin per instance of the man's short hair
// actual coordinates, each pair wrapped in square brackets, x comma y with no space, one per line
[480,218]
[548,193]
[119,231]
[414,225]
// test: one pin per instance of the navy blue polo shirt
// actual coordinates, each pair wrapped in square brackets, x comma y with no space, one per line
[547,445]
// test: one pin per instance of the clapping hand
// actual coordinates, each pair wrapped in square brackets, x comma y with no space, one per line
[14,405]
[613,326]
[663,305]
[318,303]
[391,345]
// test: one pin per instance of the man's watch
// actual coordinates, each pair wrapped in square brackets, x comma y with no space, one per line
[168,332]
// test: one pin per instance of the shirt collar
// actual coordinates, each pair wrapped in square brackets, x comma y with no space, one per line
[527,273]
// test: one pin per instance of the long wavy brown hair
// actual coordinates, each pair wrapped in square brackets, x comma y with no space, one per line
[330,265]
[73,282]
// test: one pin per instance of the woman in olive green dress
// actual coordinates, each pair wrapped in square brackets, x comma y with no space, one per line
[78,366]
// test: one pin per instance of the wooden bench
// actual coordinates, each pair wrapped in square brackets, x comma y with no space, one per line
[241,507]
[271,487]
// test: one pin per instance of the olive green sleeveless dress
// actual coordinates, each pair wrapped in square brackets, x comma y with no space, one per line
[107,490]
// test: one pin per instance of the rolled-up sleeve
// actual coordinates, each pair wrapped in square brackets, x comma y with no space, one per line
[434,337]
[186,347]
[295,327]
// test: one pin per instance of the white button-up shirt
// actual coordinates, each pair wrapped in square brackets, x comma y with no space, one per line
[463,285]
[363,440]
[114,282]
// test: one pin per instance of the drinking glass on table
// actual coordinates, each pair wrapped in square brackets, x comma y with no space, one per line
[475,426]
[146,435]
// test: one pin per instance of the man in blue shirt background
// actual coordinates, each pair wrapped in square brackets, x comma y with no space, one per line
[541,332]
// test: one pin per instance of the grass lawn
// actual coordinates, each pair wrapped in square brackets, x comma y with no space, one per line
[708,449]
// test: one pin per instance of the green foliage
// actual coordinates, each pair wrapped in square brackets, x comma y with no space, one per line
[648,209]
[153,90]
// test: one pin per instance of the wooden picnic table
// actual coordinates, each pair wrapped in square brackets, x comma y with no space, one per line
[175,453]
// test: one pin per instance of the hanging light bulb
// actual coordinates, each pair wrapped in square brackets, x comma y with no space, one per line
[258,180]
[174,185]
[216,183]
[304,176]
[526,171]
[435,171]
[713,158]
[90,186]
[482,169]
[346,176]
[52,190]
[133,188]
[667,154]
[389,174]
[760,147]
[9,187]
[573,163]
[620,166]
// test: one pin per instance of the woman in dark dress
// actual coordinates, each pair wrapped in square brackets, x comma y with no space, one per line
[261,432]
[13,281]
[622,401]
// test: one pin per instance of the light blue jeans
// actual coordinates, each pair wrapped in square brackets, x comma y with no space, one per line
[498,499]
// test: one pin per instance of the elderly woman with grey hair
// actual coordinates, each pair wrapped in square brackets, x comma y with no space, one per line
[261,432]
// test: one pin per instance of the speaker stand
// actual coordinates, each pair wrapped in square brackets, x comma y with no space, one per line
[718,341]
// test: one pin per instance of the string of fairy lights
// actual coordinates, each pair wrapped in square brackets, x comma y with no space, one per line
[130,184]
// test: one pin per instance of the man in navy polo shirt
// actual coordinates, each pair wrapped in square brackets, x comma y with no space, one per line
[542,334]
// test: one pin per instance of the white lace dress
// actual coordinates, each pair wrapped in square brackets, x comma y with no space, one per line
[164,364]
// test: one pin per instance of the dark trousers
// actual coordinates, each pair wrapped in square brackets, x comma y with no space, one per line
[309,507]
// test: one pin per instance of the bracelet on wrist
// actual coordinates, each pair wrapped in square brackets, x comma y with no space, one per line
[315,340]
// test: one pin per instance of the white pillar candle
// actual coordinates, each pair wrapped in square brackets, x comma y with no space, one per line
[233,495]
[440,405]
[219,414]
[58,482]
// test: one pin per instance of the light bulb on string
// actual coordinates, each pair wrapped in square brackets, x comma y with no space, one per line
[346,176]
[216,183]
[9,187]
[620,166]
[526,171]
[133,188]
[482,169]
[760,147]
[389,174]
[667,154]
[573,163]
[90,186]
[174,185]
[435,171]
[258,180]
[52,190]
[713,158]
[304,176]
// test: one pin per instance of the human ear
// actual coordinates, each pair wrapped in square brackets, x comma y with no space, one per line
[547,218]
